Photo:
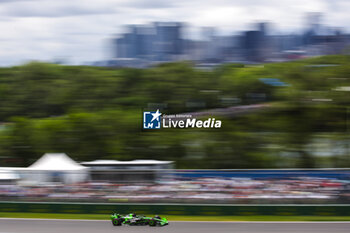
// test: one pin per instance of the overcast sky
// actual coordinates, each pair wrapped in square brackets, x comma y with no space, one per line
[80,30]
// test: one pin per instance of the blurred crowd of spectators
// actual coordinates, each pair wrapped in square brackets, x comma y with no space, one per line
[194,190]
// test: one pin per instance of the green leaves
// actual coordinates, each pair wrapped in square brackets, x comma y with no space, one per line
[93,112]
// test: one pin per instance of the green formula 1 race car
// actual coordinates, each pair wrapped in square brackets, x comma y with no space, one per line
[138,220]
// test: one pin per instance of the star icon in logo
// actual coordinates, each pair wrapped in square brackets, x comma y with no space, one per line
[156,115]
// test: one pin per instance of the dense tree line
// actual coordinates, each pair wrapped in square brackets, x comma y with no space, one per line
[94,113]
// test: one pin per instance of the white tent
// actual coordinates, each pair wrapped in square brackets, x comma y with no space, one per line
[8,176]
[56,167]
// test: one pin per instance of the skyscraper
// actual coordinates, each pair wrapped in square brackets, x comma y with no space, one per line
[159,42]
[168,42]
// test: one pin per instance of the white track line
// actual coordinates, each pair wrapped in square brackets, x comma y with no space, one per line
[94,220]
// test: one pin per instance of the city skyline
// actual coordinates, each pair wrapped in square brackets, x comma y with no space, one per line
[81,31]
[142,46]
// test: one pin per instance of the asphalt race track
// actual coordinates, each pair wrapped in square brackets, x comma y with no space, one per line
[77,226]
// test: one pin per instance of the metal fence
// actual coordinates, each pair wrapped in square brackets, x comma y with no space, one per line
[176,209]
[291,186]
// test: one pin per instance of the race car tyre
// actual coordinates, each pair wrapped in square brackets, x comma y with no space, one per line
[117,222]
[152,223]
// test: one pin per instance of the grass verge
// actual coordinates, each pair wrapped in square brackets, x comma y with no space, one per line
[180,217]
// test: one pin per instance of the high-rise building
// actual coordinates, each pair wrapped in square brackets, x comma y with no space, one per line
[137,43]
[168,42]
[159,42]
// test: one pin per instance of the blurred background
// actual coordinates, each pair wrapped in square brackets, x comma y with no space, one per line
[77,75]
